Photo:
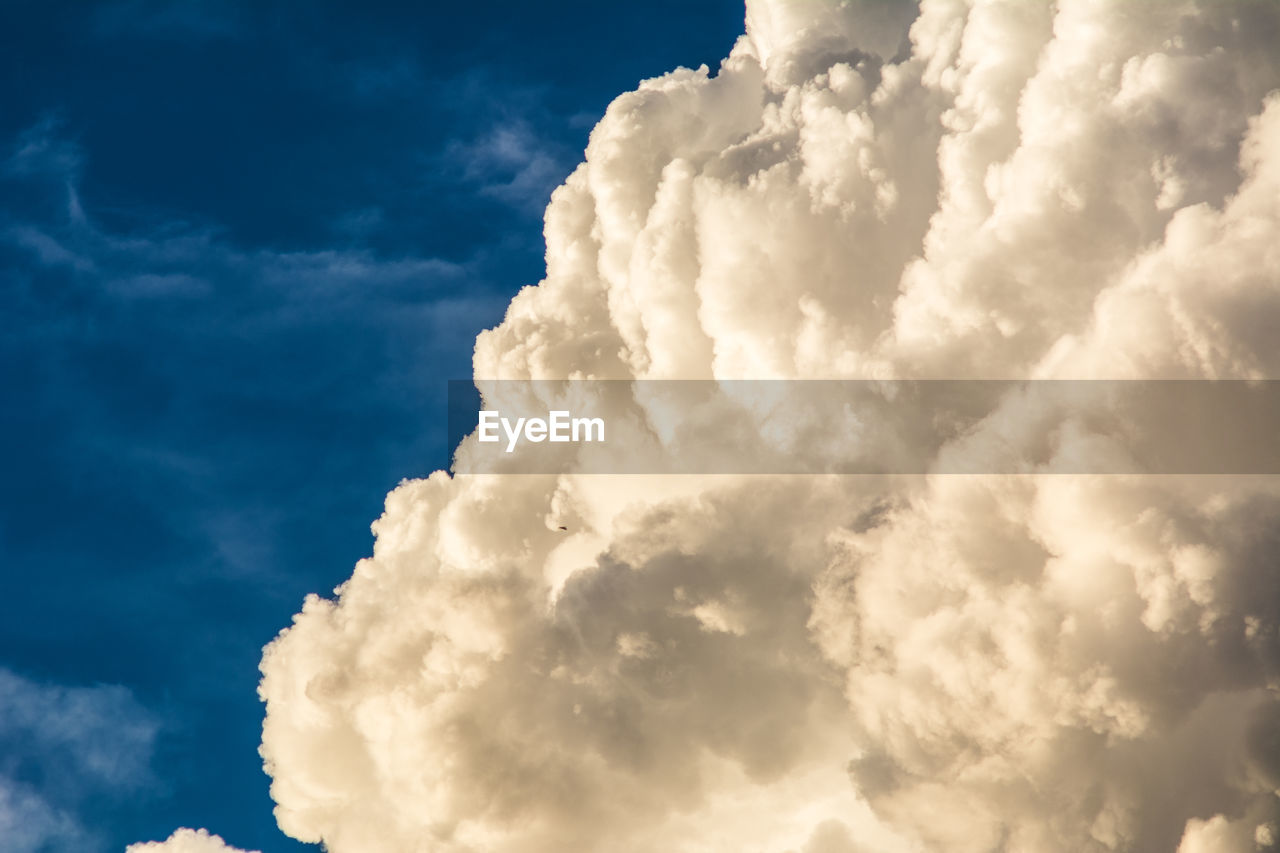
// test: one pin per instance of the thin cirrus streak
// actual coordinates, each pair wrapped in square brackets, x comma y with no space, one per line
[843,664]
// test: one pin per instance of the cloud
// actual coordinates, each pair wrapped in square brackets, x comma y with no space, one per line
[1048,662]
[185,841]
[190,20]
[31,824]
[43,149]
[510,162]
[236,324]
[181,258]
[62,746]
[78,281]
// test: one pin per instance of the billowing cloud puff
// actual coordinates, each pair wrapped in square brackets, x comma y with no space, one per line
[185,841]
[1088,188]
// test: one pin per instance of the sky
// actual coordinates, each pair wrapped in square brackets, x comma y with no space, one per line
[233,545]
[243,246]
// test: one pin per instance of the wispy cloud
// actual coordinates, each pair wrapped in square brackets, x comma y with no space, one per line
[188,19]
[395,76]
[512,162]
[60,746]
[178,259]
[45,149]
[30,824]
[216,328]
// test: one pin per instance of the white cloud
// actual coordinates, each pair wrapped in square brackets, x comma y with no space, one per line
[510,162]
[61,746]
[185,841]
[29,823]
[1047,662]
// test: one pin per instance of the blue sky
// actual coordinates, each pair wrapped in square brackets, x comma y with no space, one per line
[242,248]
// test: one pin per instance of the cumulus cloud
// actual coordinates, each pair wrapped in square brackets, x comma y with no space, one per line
[963,663]
[185,841]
